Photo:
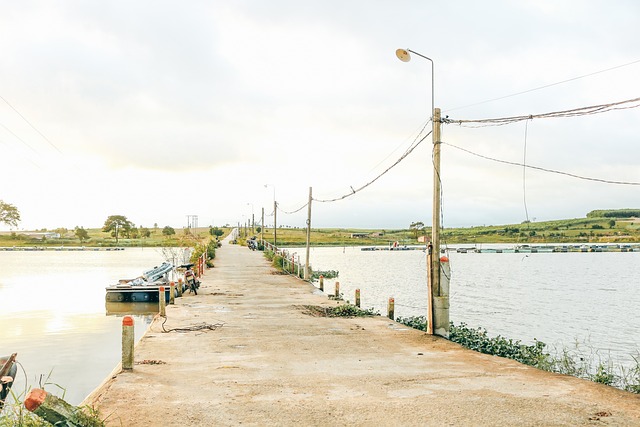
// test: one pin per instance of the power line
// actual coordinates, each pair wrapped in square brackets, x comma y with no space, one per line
[544,87]
[575,112]
[357,190]
[30,124]
[586,178]
[296,211]
[18,138]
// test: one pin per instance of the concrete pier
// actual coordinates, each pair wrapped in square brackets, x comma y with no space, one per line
[274,363]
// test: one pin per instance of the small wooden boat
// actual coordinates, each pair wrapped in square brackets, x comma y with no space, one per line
[8,371]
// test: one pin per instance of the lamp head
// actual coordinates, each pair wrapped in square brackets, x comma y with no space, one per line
[403,55]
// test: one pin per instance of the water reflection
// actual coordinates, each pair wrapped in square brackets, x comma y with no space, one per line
[53,315]
[123,308]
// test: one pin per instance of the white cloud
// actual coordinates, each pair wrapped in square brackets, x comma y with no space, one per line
[208,101]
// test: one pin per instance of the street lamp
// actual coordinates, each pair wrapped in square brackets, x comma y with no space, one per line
[252,218]
[275,213]
[438,304]
[404,56]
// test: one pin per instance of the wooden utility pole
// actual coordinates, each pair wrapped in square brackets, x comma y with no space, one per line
[262,227]
[435,230]
[439,294]
[306,264]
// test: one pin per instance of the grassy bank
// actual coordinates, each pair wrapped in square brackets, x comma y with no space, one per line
[97,239]
[580,230]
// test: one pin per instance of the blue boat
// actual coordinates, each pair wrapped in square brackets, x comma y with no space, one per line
[145,288]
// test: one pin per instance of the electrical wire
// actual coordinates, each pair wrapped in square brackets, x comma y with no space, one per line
[296,211]
[582,111]
[355,191]
[544,87]
[421,129]
[18,138]
[586,178]
[30,124]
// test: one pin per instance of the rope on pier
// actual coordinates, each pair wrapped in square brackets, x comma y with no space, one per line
[193,328]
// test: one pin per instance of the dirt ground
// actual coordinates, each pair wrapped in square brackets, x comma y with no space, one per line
[250,353]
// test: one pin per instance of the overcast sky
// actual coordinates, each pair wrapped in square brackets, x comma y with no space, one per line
[161,109]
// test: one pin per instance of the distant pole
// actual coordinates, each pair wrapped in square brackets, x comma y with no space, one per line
[306,264]
[275,223]
[262,228]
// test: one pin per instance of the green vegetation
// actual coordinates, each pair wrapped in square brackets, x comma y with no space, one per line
[81,234]
[615,213]
[95,237]
[116,224]
[327,274]
[9,214]
[575,362]
[16,415]
[200,248]
[600,226]
[342,310]
[168,231]
[216,232]
[593,229]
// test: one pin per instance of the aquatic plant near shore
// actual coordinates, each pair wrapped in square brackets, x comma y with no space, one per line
[575,361]
[327,274]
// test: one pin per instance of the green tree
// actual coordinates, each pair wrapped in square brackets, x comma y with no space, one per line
[81,234]
[216,232]
[9,214]
[115,224]
[416,227]
[612,223]
[168,231]
[144,232]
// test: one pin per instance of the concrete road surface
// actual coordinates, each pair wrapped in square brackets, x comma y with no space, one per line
[270,362]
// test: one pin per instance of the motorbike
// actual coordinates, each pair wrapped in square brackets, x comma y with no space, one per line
[190,279]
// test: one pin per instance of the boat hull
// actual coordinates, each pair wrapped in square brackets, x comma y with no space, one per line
[137,293]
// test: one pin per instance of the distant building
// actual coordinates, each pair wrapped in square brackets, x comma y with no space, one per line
[423,239]
[359,235]
[43,236]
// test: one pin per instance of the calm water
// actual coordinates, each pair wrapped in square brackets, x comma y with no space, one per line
[53,314]
[557,298]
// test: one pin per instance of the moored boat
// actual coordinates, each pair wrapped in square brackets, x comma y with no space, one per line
[145,288]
